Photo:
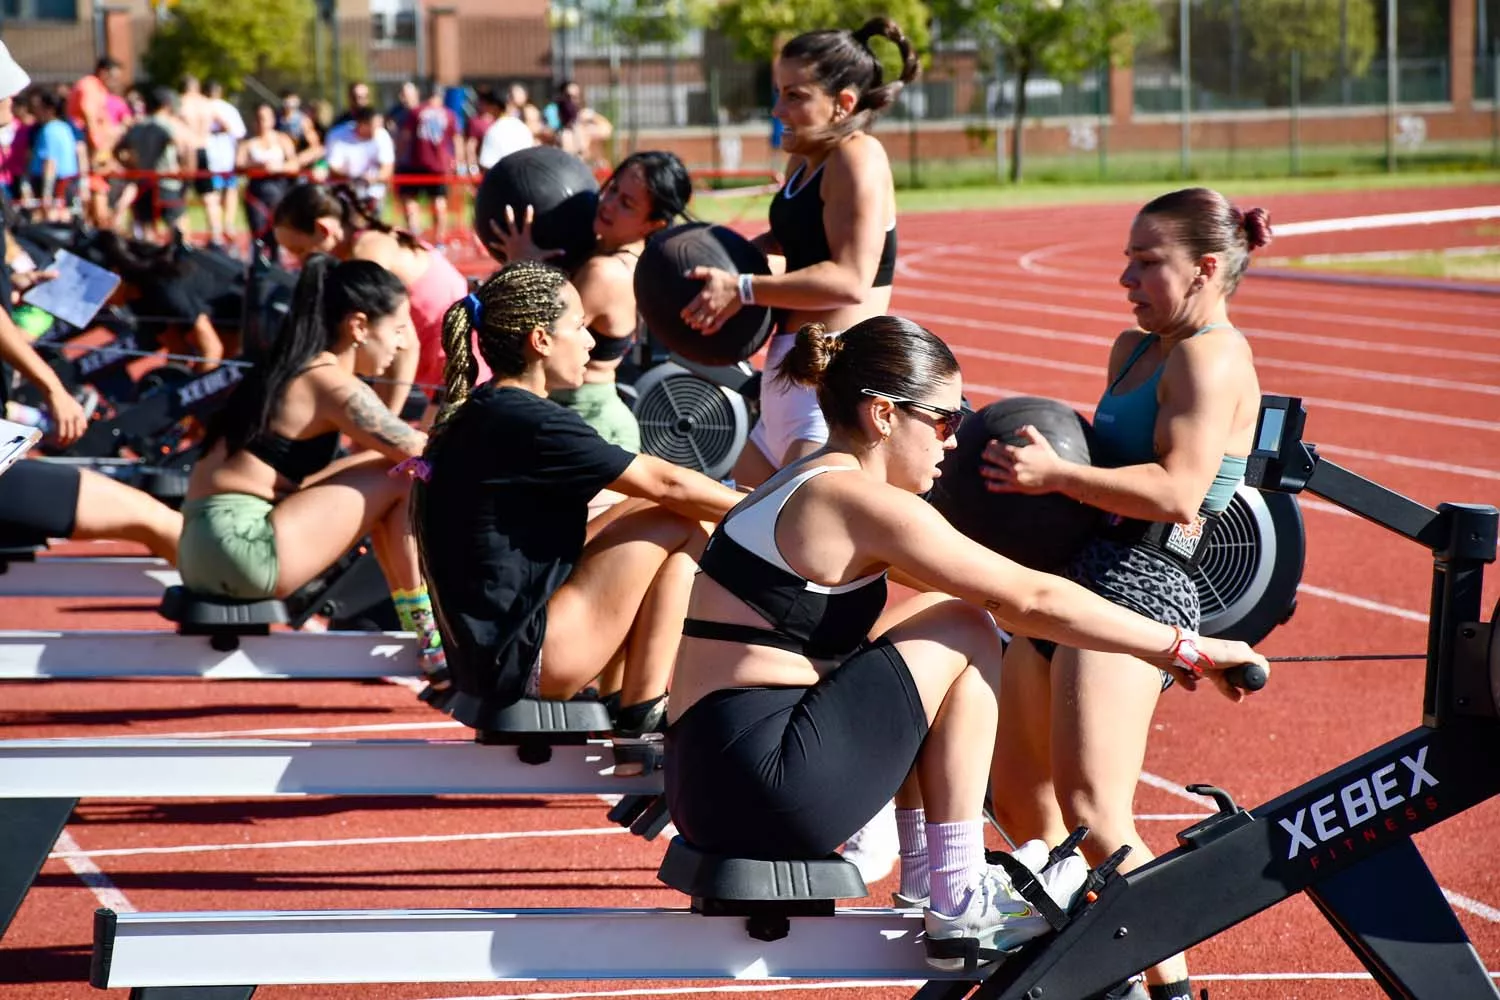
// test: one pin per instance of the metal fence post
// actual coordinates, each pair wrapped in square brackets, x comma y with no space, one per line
[1185,70]
[1294,112]
[1392,85]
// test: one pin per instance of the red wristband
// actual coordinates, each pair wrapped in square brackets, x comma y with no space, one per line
[1186,654]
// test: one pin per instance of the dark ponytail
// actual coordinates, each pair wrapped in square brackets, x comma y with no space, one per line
[522,296]
[839,59]
[327,293]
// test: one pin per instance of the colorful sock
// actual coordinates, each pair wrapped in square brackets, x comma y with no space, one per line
[414,611]
[911,833]
[955,852]
[1180,990]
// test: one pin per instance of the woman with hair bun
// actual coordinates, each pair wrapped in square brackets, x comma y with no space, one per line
[1173,429]
[801,704]
[834,222]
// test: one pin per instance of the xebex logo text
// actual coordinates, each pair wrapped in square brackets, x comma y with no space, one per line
[208,385]
[1359,802]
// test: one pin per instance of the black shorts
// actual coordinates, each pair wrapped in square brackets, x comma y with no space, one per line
[792,773]
[421,192]
[1136,577]
[38,499]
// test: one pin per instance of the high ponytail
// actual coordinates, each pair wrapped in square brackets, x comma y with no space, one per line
[839,59]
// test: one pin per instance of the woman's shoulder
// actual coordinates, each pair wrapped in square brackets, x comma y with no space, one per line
[860,153]
[1214,355]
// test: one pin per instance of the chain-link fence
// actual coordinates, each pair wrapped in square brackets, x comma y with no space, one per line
[1237,87]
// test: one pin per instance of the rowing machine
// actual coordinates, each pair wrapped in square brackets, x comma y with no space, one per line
[214,638]
[1343,838]
[24,572]
[556,751]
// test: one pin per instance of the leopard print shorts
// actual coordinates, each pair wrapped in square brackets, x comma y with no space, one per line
[1138,578]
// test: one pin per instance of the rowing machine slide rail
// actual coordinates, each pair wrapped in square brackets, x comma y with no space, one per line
[1344,838]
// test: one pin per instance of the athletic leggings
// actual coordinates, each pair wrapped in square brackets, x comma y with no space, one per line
[790,773]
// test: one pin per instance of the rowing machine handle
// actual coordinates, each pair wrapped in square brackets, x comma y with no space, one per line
[1247,676]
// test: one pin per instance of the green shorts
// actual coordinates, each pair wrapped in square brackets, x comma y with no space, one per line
[228,547]
[600,406]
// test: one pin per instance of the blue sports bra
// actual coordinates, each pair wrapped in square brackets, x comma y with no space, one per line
[1125,427]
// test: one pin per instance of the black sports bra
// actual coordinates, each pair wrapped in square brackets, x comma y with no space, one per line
[614,348]
[820,622]
[293,459]
[796,218]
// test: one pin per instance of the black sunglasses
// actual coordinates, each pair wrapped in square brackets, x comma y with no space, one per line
[948,421]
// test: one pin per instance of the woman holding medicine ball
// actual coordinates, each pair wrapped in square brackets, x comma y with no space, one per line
[1172,431]
[834,222]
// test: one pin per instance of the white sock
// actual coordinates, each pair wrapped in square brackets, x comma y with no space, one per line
[956,856]
[911,831]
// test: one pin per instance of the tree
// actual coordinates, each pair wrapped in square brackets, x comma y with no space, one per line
[1056,38]
[229,40]
[1243,48]
[759,27]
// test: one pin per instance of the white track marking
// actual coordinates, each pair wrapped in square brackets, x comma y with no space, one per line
[281,845]
[1363,603]
[1389,220]
[1474,906]
[91,875]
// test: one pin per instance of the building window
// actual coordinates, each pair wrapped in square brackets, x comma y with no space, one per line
[393,22]
[40,10]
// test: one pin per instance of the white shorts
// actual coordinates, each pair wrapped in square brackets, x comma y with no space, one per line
[788,412]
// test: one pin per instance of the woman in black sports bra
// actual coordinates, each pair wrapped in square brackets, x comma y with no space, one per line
[799,708]
[834,222]
[268,507]
[647,192]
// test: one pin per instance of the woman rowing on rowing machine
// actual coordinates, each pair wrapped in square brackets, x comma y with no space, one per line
[269,506]
[533,598]
[801,704]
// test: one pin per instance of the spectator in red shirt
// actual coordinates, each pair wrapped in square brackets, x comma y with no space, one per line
[429,134]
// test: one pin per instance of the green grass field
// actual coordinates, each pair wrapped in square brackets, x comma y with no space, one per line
[1467,264]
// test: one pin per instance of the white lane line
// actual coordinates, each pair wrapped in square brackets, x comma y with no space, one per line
[91,875]
[1363,603]
[280,845]
[1389,220]
[1474,906]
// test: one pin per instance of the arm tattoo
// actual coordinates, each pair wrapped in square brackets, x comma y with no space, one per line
[370,415]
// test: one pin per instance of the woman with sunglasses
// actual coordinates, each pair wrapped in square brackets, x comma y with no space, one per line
[801,704]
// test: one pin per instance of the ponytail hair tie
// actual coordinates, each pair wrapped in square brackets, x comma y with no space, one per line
[471,305]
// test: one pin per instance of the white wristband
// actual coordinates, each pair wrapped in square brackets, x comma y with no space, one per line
[747,290]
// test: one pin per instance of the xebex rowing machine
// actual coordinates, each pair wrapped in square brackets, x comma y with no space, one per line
[1343,838]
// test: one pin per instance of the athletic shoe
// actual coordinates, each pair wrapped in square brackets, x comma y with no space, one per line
[876,847]
[901,902]
[997,918]
[641,749]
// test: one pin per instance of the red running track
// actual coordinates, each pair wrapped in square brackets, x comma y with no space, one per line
[1401,386]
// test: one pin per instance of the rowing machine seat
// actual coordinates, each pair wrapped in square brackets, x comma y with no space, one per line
[532,725]
[768,892]
[221,618]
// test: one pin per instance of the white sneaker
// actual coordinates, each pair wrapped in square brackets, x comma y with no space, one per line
[875,848]
[998,919]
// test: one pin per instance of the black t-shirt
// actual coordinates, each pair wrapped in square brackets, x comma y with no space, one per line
[200,290]
[504,519]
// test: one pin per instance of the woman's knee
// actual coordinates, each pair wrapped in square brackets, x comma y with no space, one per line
[961,626]
[1109,817]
